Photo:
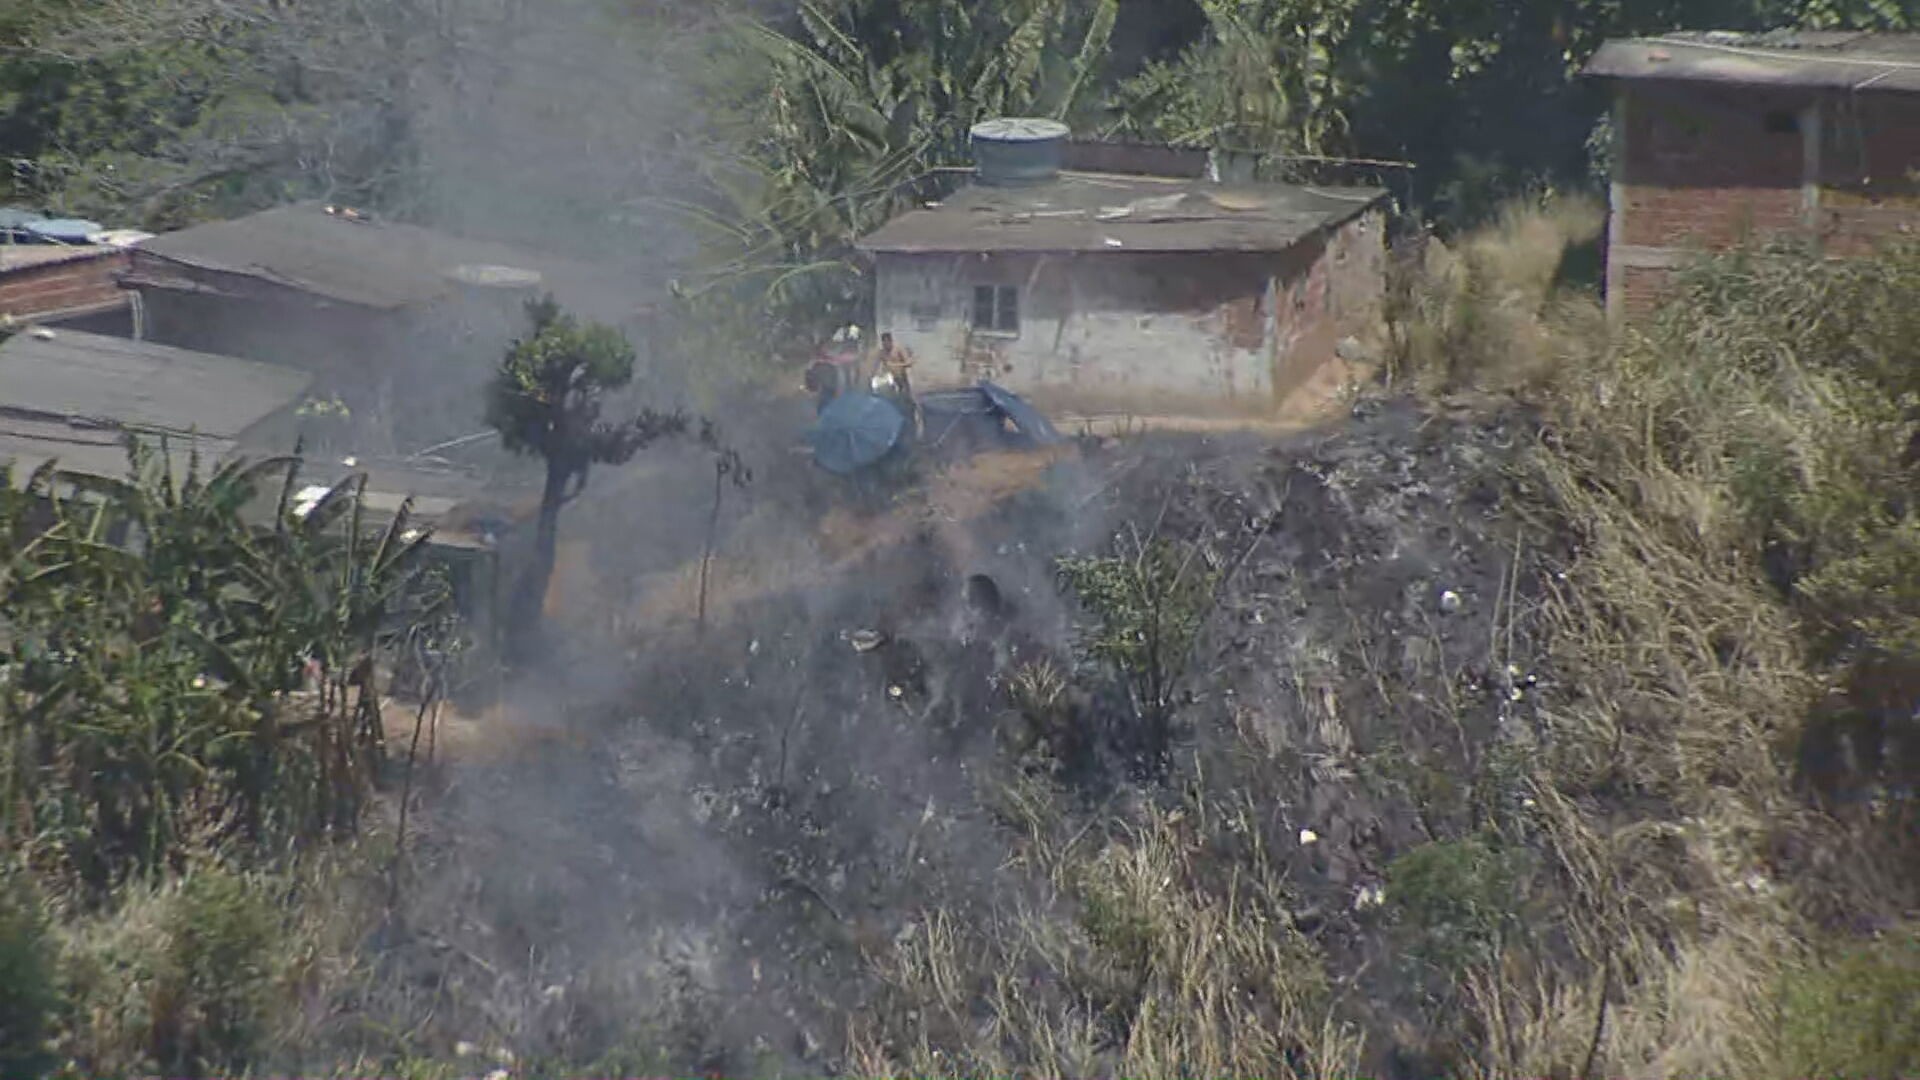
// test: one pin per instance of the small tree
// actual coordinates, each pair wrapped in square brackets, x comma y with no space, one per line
[546,400]
[1147,601]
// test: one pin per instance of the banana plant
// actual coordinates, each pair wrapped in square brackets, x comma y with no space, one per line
[173,674]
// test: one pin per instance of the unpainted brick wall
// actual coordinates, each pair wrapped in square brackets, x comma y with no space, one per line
[1641,288]
[56,288]
[1869,171]
[1340,294]
[1703,169]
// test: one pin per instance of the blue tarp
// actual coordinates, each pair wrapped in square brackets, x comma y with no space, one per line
[1026,419]
[854,431]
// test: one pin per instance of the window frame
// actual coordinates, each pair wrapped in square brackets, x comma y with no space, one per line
[1001,304]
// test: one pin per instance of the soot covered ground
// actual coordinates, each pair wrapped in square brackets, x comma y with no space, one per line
[740,821]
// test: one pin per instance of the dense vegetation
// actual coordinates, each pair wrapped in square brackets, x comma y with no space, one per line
[190,692]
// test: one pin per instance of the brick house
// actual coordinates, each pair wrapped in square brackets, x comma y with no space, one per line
[1117,290]
[65,284]
[1723,136]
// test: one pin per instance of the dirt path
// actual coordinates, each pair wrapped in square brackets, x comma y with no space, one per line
[1318,401]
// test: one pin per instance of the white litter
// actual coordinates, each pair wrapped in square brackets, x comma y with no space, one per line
[1308,836]
[308,498]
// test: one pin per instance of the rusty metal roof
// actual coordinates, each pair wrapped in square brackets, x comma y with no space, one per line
[372,263]
[29,256]
[1837,60]
[1085,212]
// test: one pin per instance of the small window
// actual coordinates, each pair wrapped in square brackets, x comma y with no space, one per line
[1782,122]
[996,309]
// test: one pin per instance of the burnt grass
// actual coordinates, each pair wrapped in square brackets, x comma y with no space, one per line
[701,876]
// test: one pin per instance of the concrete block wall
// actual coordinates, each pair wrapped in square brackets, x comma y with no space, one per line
[1201,333]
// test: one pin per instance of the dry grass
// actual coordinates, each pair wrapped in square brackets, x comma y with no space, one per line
[1664,787]
[1488,313]
[1135,963]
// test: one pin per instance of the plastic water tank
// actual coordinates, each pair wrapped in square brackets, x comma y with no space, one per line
[1018,150]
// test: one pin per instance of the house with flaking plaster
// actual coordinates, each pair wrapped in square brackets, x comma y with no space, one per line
[1722,137]
[1110,291]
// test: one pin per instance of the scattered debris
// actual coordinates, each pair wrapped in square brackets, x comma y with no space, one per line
[865,641]
[1308,836]
[308,498]
[1450,602]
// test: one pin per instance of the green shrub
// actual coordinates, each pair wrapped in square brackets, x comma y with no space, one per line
[1147,601]
[152,685]
[221,932]
[29,997]
[177,977]
[1857,1015]
[1451,899]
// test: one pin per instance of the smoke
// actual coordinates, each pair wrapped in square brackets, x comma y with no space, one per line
[678,845]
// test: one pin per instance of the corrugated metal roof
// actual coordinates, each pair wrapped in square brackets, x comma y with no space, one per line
[90,380]
[26,256]
[465,510]
[1851,61]
[27,443]
[376,264]
[1098,213]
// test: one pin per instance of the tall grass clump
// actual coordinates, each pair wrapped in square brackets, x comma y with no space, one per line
[1140,957]
[1728,778]
[1490,310]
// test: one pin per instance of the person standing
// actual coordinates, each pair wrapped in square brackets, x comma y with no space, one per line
[894,363]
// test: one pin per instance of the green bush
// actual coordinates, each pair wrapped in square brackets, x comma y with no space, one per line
[215,978]
[158,652]
[1147,601]
[178,977]
[1857,1015]
[29,997]
[1451,898]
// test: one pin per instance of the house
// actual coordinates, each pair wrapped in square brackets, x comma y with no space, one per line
[1126,291]
[65,284]
[74,397]
[1724,136]
[479,524]
[65,272]
[400,323]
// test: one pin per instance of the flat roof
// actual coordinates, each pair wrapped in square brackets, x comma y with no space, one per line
[138,385]
[369,262]
[1090,212]
[76,396]
[1837,60]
